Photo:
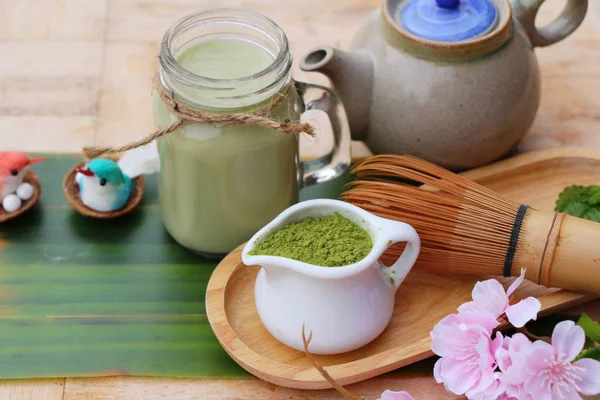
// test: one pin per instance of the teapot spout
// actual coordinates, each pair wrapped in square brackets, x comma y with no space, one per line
[352,78]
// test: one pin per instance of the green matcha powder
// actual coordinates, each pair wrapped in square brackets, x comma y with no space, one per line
[330,241]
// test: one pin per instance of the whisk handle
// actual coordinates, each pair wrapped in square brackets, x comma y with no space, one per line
[576,261]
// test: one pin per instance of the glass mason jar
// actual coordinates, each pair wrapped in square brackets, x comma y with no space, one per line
[219,184]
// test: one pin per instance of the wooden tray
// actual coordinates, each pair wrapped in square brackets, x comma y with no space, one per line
[423,299]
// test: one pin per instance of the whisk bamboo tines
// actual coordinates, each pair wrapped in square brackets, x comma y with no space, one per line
[466,228]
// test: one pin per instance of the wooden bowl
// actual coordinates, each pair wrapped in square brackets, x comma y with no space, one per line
[71,190]
[31,178]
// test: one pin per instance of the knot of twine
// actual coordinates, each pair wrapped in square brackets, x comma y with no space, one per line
[186,115]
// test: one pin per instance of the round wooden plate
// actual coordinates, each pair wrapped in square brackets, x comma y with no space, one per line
[71,191]
[422,300]
[31,178]
[235,321]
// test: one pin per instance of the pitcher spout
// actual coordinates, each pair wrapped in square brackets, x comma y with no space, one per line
[352,77]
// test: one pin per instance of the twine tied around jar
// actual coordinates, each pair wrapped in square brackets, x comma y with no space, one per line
[187,115]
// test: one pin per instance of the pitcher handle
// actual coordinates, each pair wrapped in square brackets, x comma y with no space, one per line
[394,232]
[566,23]
[337,162]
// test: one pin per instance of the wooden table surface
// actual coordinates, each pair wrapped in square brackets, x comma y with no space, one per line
[78,72]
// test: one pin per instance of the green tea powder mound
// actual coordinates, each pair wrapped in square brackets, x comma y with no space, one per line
[330,241]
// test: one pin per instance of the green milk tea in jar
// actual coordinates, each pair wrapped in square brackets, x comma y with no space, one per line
[219,184]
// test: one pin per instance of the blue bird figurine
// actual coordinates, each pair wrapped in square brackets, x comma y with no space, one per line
[103,186]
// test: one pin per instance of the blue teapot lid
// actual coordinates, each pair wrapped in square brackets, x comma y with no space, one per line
[448,20]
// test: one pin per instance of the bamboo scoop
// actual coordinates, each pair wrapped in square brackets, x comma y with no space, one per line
[468,229]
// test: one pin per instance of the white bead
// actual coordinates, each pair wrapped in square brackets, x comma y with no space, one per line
[25,191]
[11,203]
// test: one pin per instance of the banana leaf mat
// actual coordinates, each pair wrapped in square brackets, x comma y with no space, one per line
[86,297]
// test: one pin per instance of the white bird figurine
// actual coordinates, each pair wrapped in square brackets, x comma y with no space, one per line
[103,186]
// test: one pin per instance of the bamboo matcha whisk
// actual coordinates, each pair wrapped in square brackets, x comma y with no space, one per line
[468,229]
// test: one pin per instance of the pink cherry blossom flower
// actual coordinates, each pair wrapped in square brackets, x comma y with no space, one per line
[489,296]
[389,395]
[501,389]
[553,375]
[512,362]
[466,349]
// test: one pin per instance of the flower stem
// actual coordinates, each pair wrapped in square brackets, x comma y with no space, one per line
[344,392]
[531,336]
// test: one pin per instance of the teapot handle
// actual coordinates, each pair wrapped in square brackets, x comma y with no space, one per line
[337,162]
[394,232]
[566,23]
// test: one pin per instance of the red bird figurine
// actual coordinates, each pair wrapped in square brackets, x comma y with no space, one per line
[12,171]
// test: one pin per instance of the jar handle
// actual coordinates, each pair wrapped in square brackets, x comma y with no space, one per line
[394,232]
[566,23]
[337,162]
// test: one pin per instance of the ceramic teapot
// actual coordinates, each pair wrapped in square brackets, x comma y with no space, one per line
[455,82]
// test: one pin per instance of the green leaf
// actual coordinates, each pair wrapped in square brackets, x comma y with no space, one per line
[576,209]
[580,201]
[594,198]
[593,214]
[569,194]
[589,353]
[590,327]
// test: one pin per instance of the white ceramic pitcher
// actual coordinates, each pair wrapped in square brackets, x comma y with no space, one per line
[344,307]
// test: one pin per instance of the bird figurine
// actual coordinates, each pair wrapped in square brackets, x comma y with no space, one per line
[103,186]
[13,191]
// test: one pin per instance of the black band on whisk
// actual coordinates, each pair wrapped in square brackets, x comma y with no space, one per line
[514,238]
